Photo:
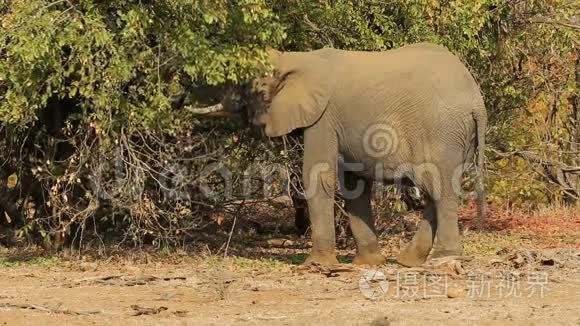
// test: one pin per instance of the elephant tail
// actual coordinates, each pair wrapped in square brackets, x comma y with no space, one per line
[480,117]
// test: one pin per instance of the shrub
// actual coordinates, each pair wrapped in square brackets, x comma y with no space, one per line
[97,136]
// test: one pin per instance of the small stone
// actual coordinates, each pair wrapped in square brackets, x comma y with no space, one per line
[455,293]
[381,321]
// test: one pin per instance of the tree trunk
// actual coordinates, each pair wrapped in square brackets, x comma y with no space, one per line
[575,148]
[10,208]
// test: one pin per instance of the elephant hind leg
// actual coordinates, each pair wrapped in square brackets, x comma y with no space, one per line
[440,217]
[357,195]
[417,251]
[448,242]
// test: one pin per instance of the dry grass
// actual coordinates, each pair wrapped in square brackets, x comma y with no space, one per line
[554,226]
[270,249]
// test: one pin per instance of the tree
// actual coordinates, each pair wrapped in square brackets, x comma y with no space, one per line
[95,99]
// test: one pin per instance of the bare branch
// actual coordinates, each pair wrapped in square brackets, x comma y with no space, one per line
[557,173]
[553,22]
[206,110]
[318,30]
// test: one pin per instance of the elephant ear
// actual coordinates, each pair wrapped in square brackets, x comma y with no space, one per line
[301,91]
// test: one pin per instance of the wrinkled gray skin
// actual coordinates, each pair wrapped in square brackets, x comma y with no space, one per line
[411,115]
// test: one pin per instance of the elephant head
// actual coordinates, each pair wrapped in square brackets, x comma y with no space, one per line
[293,96]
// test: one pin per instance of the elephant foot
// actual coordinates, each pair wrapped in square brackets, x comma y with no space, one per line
[413,256]
[442,253]
[322,258]
[369,259]
[416,253]
[411,259]
[435,262]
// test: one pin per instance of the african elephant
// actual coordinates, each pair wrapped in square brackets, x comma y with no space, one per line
[413,115]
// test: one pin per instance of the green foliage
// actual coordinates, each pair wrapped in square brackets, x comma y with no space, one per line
[32,260]
[121,74]
[126,61]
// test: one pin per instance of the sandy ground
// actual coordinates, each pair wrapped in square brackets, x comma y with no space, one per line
[512,279]
[520,287]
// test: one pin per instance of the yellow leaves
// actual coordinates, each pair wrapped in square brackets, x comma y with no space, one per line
[12,181]
[30,209]
[502,163]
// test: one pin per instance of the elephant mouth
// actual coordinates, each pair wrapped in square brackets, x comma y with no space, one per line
[259,120]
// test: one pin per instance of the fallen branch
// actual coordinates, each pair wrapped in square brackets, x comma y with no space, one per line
[138,310]
[123,281]
[47,309]
[98,279]
[279,201]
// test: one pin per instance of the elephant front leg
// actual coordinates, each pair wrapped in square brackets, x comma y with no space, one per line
[320,191]
[357,196]
[319,173]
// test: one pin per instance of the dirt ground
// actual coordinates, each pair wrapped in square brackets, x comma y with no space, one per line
[509,281]
[520,287]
